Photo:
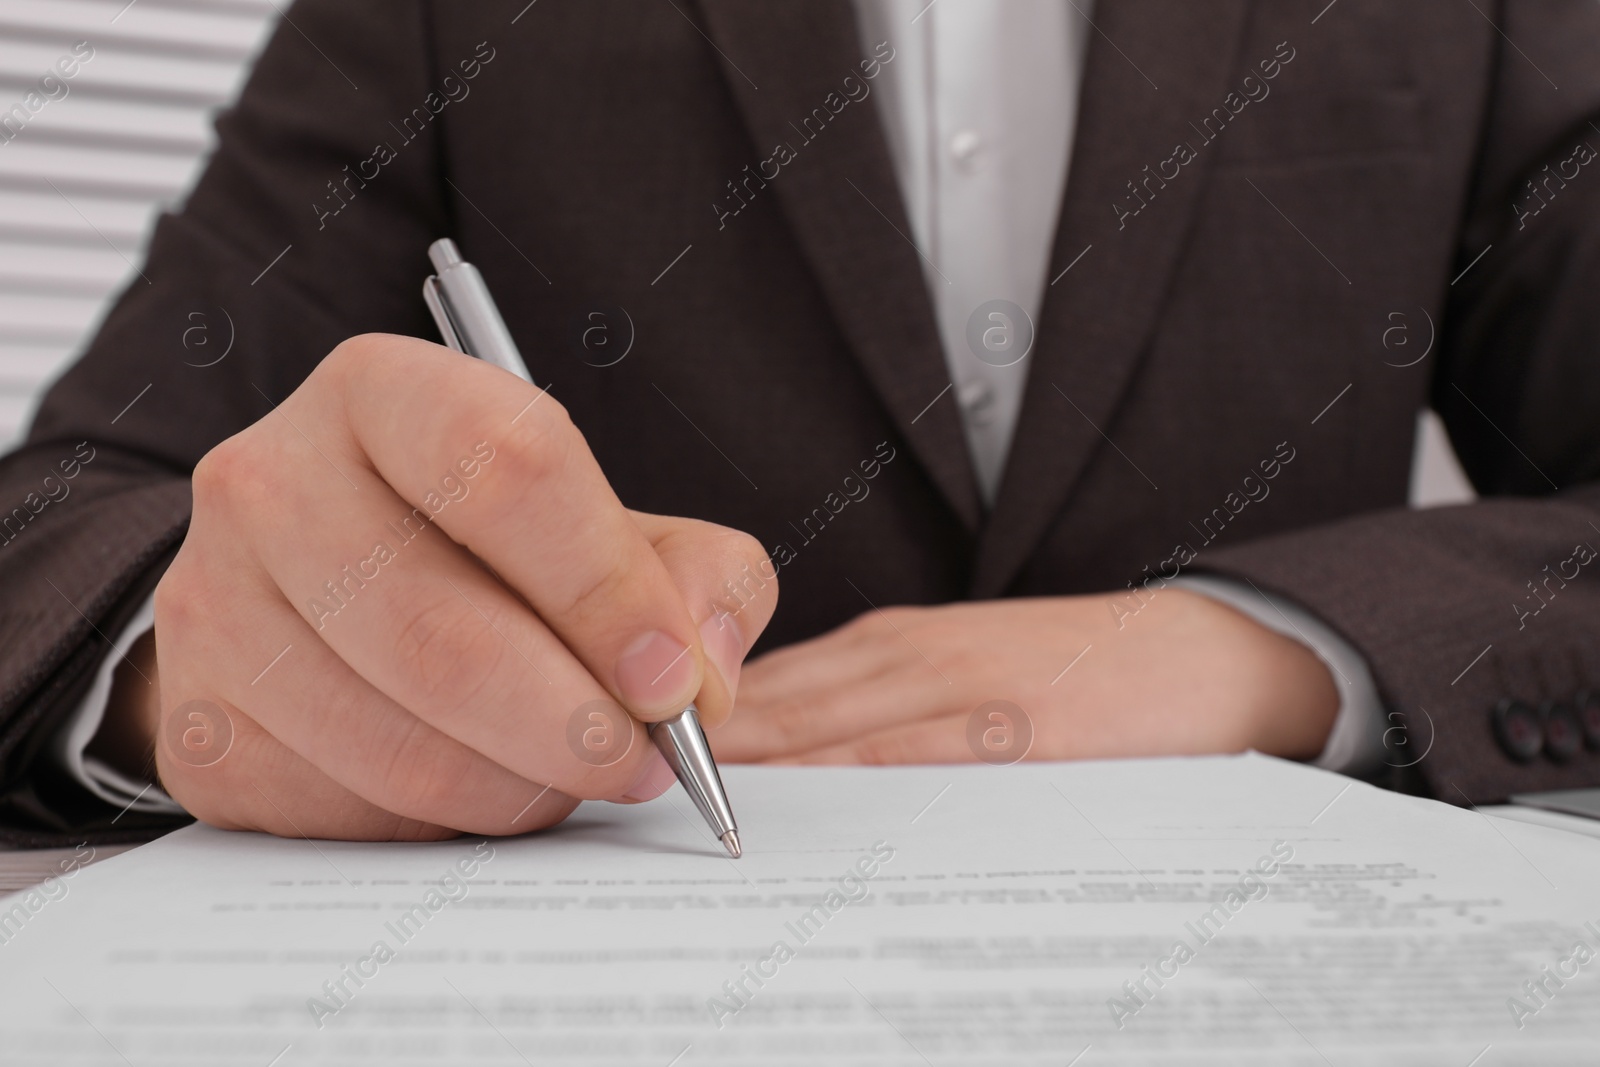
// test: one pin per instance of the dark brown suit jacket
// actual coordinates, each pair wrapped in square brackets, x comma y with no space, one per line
[1241,313]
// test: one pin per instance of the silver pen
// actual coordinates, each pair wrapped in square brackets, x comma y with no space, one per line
[470,323]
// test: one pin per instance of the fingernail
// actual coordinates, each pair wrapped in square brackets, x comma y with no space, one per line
[657,779]
[656,673]
[723,641]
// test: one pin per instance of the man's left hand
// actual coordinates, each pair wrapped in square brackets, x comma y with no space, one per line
[1185,675]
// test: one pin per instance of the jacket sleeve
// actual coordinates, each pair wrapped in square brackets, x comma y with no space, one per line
[310,224]
[1482,622]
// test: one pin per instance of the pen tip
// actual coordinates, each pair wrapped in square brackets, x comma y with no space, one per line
[730,841]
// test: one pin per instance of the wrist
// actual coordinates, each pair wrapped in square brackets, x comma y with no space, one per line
[1280,694]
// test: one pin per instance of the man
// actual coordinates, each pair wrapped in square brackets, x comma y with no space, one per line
[1059,357]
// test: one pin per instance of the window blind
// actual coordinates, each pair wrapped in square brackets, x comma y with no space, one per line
[83,177]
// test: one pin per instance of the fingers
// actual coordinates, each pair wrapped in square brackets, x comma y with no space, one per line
[846,684]
[818,718]
[436,635]
[859,649]
[258,784]
[938,740]
[261,656]
[731,589]
[503,471]
[317,707]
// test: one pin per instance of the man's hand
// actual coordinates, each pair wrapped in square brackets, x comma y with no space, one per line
[408,597]
[1185,675]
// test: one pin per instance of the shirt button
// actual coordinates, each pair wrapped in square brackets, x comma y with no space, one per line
[975,397]
[964,145]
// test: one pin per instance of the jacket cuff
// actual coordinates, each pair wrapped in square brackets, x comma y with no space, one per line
[1435,601]
[68,746]
[73,578]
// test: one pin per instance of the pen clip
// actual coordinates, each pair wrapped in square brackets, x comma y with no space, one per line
[433,295]
[465,311]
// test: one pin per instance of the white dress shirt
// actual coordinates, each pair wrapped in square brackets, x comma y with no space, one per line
[70,742]
[979,107]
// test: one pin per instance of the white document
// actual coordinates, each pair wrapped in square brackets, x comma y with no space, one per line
[1220,911]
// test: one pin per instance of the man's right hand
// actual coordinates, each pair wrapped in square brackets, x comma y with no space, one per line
[401,588]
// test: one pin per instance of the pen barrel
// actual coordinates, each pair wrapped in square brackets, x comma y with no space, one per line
[683,743]
[472,311]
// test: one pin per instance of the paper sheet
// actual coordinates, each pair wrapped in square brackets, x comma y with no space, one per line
[1227,910]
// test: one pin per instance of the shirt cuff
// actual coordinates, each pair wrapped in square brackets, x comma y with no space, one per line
[67,747]
[1356,744]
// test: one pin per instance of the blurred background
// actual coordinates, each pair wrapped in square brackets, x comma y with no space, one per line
[82,180]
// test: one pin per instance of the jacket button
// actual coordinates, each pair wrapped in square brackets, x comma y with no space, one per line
[1517,728]
[1588,704]
[1563,737]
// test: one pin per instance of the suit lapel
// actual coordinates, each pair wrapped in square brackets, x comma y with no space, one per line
[1097,318]
[840,197]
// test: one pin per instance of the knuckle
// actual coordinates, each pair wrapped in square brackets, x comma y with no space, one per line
[744,549]
[426,775]
[539,449]
[882,751]
[599,594]
[203,792]
[446,657]
[177,598]
[793,727]
[361,364]
[354,354]
[218,471]
[874,624]
[236,480]
[896,616]
[961,659]
[757,579]
[729,565]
